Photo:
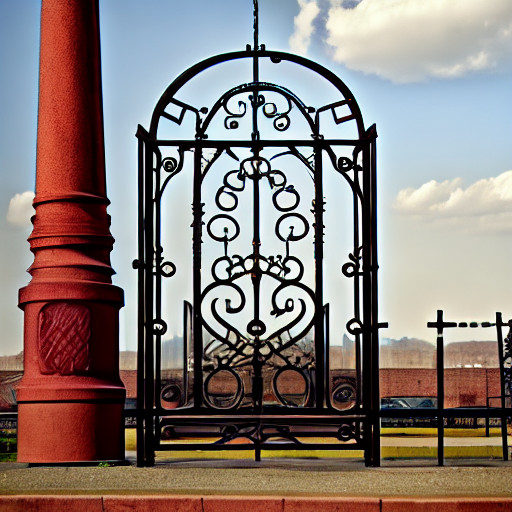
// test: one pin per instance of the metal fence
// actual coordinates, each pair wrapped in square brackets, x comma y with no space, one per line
[497,411]
[440,416]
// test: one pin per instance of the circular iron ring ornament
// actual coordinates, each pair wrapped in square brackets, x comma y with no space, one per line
[354,326]
[345,164]
[171,396]
[226,237]
[291,236]
[169,164]
[301,399]
[346,432]
[288,190]
[231,195]
[344,396]
[256,328]
[159,326]
[167,269]
[226,399]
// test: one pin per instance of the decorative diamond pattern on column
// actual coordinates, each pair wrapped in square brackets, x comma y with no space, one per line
[64,333]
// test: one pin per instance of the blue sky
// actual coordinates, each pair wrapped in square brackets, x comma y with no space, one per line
[434,76]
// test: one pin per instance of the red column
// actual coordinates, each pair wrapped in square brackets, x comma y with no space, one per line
[71,398]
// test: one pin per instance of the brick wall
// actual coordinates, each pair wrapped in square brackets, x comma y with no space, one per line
[464,387]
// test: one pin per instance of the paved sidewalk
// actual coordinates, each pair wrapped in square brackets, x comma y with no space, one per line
[284,477]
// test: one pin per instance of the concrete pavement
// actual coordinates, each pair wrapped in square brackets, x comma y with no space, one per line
[283,477]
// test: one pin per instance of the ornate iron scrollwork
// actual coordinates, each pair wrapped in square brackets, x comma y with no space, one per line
[257,344]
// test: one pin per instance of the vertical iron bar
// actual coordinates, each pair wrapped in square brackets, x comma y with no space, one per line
[257,365]
[359,376]
[374,298]
[187,315]
[197,207]
[504,436]
[357,285]
[357,346]
[140,303]
[256,24]
[158,295]
[149,260]
[487,404]
[440,388]
[361,380]
[256,279]
[319,301]
[256,235]
[257,443]
[367,348]
[327,356]
[255,75]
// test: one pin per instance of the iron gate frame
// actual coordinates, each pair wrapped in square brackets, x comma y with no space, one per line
[363,265]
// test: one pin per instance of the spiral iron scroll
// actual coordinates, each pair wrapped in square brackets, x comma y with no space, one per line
[281,118]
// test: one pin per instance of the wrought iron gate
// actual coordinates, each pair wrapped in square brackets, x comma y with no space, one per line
[254,366]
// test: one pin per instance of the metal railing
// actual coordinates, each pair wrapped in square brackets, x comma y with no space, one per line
[442,414]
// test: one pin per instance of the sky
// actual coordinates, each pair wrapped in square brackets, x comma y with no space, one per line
[434,76]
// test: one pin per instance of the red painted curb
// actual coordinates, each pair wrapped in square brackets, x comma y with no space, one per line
[242,503]
[51,503]
[164,503]
[446,504]
[332,504]
[152,504]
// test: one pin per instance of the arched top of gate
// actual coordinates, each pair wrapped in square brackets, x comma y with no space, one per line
[171,108]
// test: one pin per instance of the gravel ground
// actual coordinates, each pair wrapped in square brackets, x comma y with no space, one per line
[283,477]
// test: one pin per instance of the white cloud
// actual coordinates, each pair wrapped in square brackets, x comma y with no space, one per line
[421,199]
[411,40]
[20,209]
[303,22]
[483,205]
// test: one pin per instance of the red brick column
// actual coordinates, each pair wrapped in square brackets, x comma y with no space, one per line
[71,398]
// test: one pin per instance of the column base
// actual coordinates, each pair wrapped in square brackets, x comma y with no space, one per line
[70,432]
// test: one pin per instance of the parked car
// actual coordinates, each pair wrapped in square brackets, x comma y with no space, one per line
[412,403]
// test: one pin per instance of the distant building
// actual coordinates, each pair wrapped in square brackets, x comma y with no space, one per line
[407,369]
[11,362]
